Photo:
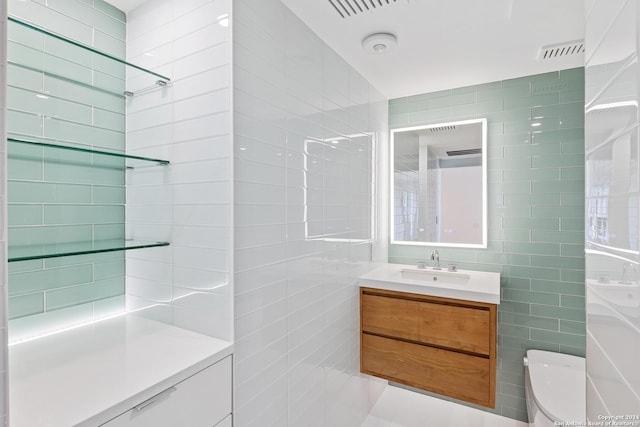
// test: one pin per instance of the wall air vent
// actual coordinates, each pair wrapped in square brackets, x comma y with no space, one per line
[348,8]
[560,50]
[442,128]
[464,152]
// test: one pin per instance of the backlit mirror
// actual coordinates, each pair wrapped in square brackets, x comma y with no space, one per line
[439,184]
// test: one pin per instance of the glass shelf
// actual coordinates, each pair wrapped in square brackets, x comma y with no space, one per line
[33,252]
[131,161]
[86,66]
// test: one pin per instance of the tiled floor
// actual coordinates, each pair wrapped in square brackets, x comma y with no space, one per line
[402,408]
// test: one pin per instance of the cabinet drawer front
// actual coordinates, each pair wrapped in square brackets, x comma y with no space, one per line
[451,326]
[201,400]
[457,375]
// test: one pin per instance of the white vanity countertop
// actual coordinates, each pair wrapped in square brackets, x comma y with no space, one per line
[482,286]
[88,375]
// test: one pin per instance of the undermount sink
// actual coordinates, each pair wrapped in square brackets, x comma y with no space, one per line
[471,285]
[433,275]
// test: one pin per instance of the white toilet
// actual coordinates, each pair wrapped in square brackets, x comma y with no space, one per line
[555,388]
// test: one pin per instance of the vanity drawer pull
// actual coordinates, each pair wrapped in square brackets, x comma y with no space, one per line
[162,395]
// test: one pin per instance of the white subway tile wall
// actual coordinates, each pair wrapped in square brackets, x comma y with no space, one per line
[612,209]
[308,131]
[189,203]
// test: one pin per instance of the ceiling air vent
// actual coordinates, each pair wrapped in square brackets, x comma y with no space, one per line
[561,50]
[347,8]
[464,152]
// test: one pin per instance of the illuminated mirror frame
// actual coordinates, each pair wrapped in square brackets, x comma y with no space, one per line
[483,121]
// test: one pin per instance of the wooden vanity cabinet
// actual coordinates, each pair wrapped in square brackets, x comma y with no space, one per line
[442,345]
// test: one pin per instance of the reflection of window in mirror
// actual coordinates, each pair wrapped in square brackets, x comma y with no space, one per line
[439,184]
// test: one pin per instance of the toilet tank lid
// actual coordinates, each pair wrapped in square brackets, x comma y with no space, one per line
[558,384]
[558,359]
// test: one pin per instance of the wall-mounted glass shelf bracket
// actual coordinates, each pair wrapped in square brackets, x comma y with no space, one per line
[159,83]
[34,252]
[157,80]
[130,161]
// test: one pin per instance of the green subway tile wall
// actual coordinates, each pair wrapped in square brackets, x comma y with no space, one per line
[62,94]
[536,212]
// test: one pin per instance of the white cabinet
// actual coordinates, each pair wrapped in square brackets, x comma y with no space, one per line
[125,371]
[202,400]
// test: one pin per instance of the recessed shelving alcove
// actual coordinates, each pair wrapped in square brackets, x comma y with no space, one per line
[73,183]
[68,173]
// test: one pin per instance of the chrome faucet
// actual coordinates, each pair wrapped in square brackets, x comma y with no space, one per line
[435,256]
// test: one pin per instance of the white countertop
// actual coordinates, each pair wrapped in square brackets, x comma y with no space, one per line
[88,375]
[482,286]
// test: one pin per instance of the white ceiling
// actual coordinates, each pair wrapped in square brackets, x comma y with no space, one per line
[444,44]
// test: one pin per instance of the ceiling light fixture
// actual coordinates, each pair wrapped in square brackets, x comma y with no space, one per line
[379,43]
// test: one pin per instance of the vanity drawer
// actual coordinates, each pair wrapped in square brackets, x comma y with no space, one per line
[457,375]
[202,400]
[428,320]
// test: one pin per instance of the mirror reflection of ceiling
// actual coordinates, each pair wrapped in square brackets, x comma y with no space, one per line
[441,140]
